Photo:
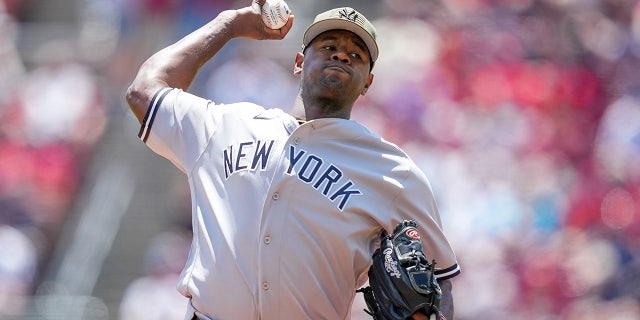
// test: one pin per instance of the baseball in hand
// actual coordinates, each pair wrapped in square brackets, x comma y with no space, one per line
[275,13]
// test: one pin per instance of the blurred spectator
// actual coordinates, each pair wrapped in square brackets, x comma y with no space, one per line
[18,265]
[60,100]
[618,142]
[154,296]
[12,67]
[238,78]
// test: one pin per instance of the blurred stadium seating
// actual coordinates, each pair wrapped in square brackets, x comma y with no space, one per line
[525,115]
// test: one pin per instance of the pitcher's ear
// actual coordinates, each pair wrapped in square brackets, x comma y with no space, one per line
[297,68]
[368,84]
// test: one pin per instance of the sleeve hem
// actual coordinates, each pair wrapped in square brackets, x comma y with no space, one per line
[448,273]
[154,105]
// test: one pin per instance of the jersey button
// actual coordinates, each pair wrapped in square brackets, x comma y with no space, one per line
[276,196]
[265,285]
[267,240]
[296,141]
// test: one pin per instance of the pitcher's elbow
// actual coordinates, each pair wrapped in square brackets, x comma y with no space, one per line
[136,101]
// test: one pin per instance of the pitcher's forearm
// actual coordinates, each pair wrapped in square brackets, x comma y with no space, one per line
[178,64]
[446,304]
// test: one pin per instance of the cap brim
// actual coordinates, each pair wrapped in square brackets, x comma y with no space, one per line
[319,27]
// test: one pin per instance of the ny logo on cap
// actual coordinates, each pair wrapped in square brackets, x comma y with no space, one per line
[353,15]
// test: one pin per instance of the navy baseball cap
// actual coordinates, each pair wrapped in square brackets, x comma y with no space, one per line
[343,19]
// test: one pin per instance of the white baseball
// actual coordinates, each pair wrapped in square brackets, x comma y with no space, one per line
[275,13]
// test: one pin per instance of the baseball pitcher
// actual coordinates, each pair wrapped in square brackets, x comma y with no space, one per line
[288,209]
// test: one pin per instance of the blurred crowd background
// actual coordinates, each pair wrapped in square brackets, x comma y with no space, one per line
[524,114]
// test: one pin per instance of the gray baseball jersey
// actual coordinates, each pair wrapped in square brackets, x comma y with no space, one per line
[285,216]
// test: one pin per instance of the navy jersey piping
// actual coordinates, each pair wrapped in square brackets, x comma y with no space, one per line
[154,105]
